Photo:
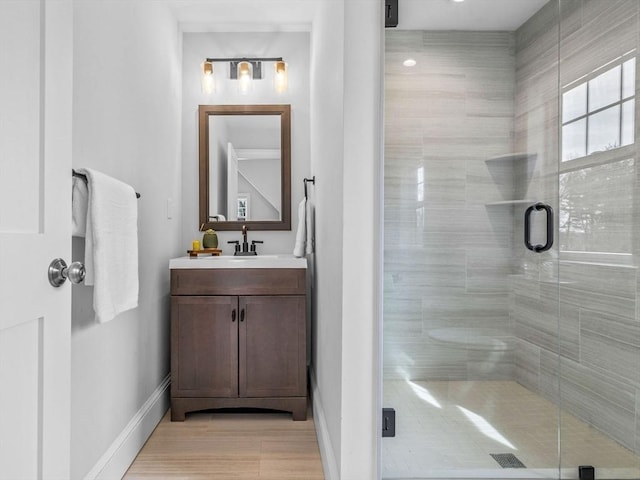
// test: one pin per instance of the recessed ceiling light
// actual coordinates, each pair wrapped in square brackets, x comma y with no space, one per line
[458,1]
[409,62]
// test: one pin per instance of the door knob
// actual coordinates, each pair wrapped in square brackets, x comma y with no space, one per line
[59,272]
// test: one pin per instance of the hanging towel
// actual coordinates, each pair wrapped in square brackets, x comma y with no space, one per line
[79,203]
[111,245]
[301,233]
[309,227]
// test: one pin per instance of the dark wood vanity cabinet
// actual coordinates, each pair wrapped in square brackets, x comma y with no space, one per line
[204,347]
[238,339]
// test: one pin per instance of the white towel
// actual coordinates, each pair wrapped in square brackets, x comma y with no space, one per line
[301,232]
[111,245]
[309,227]
[79,203]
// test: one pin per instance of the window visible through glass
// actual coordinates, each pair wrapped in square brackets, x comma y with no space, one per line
[629,78]
[599,113]
[604,130]
[628,122]
[605,89]
[574,140]
[597,198]
[574,103]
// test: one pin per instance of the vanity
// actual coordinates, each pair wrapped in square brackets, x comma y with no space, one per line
[238,334]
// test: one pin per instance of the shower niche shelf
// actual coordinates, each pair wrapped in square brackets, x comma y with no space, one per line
[510,158]
[511,174]
[510,203]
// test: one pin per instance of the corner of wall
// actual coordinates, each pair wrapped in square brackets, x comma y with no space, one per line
[329,462]
[361,269]
[115,462]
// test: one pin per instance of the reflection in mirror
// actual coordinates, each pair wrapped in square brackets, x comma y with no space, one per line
[245,167]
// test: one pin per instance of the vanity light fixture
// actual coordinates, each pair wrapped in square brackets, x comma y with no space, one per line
[208,83]
[280,76]
[245,76]
[248,69]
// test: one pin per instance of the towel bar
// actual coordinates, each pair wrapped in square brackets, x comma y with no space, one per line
[84,177]
[309,180]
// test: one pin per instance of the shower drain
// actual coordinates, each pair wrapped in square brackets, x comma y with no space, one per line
[507,460]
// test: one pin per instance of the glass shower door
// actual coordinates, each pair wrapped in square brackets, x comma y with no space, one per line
[598,240]
[504,358]
[471,329]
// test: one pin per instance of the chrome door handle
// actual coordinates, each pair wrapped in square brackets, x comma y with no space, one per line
[59,272]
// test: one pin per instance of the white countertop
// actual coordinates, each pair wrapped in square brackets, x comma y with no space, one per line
[230,261]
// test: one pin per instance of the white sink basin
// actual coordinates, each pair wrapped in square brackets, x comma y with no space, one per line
[228,261]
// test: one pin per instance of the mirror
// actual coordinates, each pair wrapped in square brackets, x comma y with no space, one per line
[245,166]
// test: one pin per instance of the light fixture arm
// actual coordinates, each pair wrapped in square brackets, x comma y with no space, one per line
[245,59]
[256,65]
[244,69]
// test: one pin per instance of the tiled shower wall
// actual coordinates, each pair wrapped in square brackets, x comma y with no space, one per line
[463,298]
[447,255]
[599,326]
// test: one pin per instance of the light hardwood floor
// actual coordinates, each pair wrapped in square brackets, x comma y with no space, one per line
[216,445]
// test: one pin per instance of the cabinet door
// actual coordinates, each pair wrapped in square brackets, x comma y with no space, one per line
[272,346]
[204,346]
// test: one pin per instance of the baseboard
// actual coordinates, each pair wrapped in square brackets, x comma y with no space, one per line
[116,460]
[329,463]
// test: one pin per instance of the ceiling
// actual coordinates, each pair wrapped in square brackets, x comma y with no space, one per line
[468,15]
[244,15]
[297,15]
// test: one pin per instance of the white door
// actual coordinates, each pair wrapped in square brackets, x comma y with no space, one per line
[35,227]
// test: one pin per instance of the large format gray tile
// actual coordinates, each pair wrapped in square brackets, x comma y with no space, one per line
[600,400]
[611,344]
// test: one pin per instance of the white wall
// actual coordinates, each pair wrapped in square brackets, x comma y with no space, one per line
[362,257]
[294,48]
[346,159]
[327,139]
[126,123]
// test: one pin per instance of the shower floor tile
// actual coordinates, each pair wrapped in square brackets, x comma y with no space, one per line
[454,426]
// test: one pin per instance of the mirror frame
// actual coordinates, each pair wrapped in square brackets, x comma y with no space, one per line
[284,111]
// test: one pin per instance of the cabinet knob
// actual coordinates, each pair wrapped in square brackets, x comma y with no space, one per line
[233,315]
[242,315]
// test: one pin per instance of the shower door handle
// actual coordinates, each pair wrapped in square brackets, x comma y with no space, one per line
[527,227]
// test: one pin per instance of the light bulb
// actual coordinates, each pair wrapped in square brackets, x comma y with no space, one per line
[208,83]
[281,76]
[244,77]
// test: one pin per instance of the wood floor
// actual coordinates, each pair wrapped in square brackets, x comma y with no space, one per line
[243,446]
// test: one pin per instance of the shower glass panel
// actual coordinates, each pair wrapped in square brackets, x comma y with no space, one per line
[501,362]
[598,240]
[470,315]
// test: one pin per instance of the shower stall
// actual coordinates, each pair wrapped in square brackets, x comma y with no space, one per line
[511,324]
